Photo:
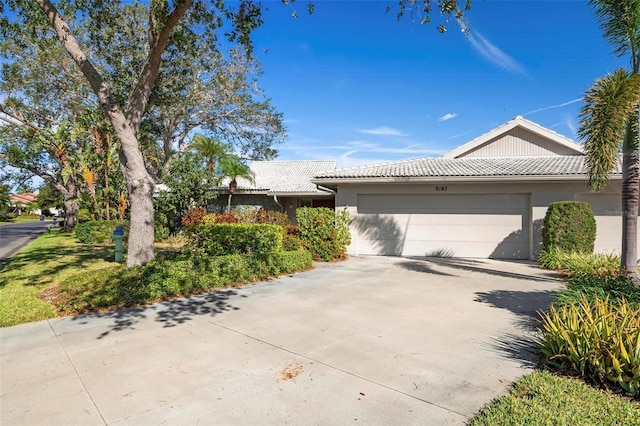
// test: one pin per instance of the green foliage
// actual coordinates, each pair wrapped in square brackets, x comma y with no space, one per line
[325,232]
[189,185]
[541,398]
[4,202]
[160,227]
[109,289]
[99,231]
[616,288]
[223,238]
[569,226]
[580,264]
[598,340]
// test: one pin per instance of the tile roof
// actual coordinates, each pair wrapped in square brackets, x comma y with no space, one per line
[24,198]
[281,176]
[573,165]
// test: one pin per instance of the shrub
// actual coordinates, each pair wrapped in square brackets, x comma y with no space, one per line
[226,218]
[573,264]
[160,226]
[121,287]
[99,231]
[252,215]
[209,219]
[194,217]
[616,288]
[325,232]
[569,226]
[226,238]
[596,339]
[292,243]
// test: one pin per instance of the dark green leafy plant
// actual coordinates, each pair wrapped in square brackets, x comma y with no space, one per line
[325,232]
[569,226]
[115,288]
[230,238]
[99,231]
[616,288]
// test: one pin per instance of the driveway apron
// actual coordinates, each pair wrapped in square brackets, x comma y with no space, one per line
[375,340]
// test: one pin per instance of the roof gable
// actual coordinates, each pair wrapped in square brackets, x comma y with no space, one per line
[517,137]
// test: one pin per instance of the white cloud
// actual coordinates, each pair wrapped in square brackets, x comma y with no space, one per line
[493,54]
[553,106]
[290,121]
[448,116]
[384,131]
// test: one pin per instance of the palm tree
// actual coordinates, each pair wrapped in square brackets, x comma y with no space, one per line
[609,119]
[232,168]
[210,149]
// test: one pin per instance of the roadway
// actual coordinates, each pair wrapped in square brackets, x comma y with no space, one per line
[15,236]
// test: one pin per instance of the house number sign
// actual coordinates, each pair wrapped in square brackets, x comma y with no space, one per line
[441,188]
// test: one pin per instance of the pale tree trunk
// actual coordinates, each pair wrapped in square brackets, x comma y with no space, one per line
[630,198]
[69,193]
[140,185]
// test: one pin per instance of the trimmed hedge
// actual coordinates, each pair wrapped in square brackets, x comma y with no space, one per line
[221,239]
[325,232]
[569,226]
[100,231]
[110,288]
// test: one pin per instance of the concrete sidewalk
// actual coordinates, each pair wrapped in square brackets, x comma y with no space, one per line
[371,340]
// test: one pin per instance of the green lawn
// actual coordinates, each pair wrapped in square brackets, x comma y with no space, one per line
[57,275]
[23,218]
[39,269]
[544,399]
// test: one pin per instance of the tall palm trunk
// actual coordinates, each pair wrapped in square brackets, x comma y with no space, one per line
[233,185]
[630,197]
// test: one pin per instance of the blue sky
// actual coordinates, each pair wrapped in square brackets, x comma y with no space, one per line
[357,86]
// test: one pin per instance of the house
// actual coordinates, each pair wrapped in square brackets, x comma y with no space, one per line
[484,199]
[22,202]
[279,185]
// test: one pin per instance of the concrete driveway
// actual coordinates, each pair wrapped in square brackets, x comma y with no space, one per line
[373,340]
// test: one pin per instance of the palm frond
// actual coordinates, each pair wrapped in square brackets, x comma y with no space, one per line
[620,24]
[608,106]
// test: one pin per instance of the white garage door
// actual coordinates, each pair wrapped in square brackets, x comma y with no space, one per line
[451,225]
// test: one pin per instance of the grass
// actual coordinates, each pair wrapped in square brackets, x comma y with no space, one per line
[27,278]
[544,399]
[24,218]
[57,275]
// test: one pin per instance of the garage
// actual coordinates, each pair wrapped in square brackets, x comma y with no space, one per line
[448,225]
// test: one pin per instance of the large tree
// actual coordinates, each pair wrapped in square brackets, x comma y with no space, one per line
[609,119]
[169,27]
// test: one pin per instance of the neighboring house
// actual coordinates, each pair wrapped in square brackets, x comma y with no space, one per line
[279,185]
[484,199]
[21,202]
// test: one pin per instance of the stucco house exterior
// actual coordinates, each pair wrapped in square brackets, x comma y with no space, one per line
[281,186]
[484,199]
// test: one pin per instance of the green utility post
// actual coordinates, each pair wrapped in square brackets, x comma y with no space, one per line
[117,237]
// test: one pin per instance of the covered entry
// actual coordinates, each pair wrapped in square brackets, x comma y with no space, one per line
[451,225]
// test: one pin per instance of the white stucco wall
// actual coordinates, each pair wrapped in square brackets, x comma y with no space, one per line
[605,204]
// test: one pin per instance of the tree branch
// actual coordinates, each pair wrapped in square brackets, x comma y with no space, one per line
[79,57]
[140,95]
